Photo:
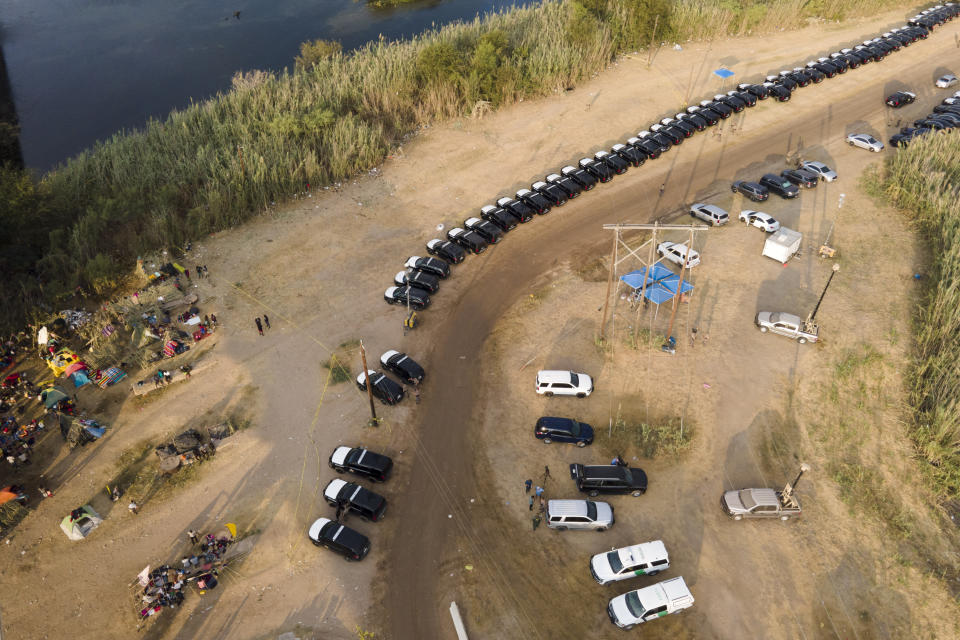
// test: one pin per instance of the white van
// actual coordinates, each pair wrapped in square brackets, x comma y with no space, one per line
[579,514]
[643,605]
[645,559]
[677,254]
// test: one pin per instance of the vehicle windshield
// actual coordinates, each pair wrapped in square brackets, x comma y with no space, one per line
[592,510]
[633,604]
[746,498]
[575,379]
[614,559]
[785,184]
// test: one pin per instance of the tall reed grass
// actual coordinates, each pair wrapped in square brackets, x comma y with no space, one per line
[924,181]
[214,164]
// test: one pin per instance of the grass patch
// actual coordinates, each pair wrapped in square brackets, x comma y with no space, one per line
[923,181]
[864,490]
[338,371]
[11,514]
[662,437]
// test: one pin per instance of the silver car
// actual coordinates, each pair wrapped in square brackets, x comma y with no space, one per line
[865,141]
[947,81]
[822,170]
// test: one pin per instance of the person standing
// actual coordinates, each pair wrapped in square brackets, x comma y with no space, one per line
[539,491]
[526,485]
[134,507]
[213,319]
[266,320]
[259,325]
[531,503]
[199,271]
[186,272]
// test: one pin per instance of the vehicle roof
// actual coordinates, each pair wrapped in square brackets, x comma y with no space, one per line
[766,497]
[317,526]
[390,291]
[781,316]
[334,487]
[710,207]
[538,184]
[553,421]
[556,176]
[488,207]
[643,552]
[605,471]
[370,372]
[553,375]
[412,260]
[523,191]
[756,214]
[339,454]
[773,176]
[568,507]
[472,220]
[676,589]
[388,354]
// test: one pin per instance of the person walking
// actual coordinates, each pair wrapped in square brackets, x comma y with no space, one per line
[134,507]
[213,319]
[546,471]
[526,485]
[531,503]
[186,370]
[259,325]
[266,320]
[194,537]
[536,522]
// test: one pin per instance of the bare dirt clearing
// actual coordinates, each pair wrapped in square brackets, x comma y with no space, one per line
[318,267]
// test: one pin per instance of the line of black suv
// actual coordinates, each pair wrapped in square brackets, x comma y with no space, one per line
[477,233]
[944,117]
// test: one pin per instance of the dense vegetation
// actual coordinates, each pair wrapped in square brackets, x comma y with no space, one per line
[924,181]
[214,164]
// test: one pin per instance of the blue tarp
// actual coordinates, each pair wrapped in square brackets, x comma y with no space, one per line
[723,73]
[661,283]
[79,378]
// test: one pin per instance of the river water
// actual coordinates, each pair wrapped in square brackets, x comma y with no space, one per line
[80,70]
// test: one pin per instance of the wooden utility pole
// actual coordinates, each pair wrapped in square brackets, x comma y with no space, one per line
[653,38]
[676,301]
[366,378]
[606,300]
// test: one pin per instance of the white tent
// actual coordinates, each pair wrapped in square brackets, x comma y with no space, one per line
[782,244]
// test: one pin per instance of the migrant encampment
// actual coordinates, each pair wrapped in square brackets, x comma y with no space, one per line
[80,522]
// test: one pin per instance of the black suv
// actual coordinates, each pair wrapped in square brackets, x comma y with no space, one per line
[534,200]
[367,504]
[446,250]
[384,389]
[402,366]
[780,185]
[522,212]
[563,430]
[569,185]
[580,176]
[609,478]
[362,462]
[756,89]
[339,539]
[439,268]
[900,98]
[752,190]
[801,177]
[597,169]
[498,216]
[630,154]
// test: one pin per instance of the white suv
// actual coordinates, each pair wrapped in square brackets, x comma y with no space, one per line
[632,608]
[564,383]
[710,213]
[645,559]
[677,253]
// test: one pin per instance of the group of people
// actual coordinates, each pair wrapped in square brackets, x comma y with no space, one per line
[163,587]
[260,324]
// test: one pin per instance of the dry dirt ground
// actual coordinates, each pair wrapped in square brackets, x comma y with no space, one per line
[318,266]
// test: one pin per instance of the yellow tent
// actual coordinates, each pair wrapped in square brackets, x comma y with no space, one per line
[63,359]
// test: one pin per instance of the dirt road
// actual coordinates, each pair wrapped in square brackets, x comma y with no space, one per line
[814,122]
[318,267]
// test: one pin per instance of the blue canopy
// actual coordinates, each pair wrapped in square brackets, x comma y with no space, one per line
[662,283]
[723,73]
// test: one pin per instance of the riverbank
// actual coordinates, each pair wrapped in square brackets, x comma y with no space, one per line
[276,136]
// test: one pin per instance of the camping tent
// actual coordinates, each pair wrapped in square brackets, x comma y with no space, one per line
[76,372]
[62,360]
[782,244]
[13,492]
[52,396]
[80,522]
